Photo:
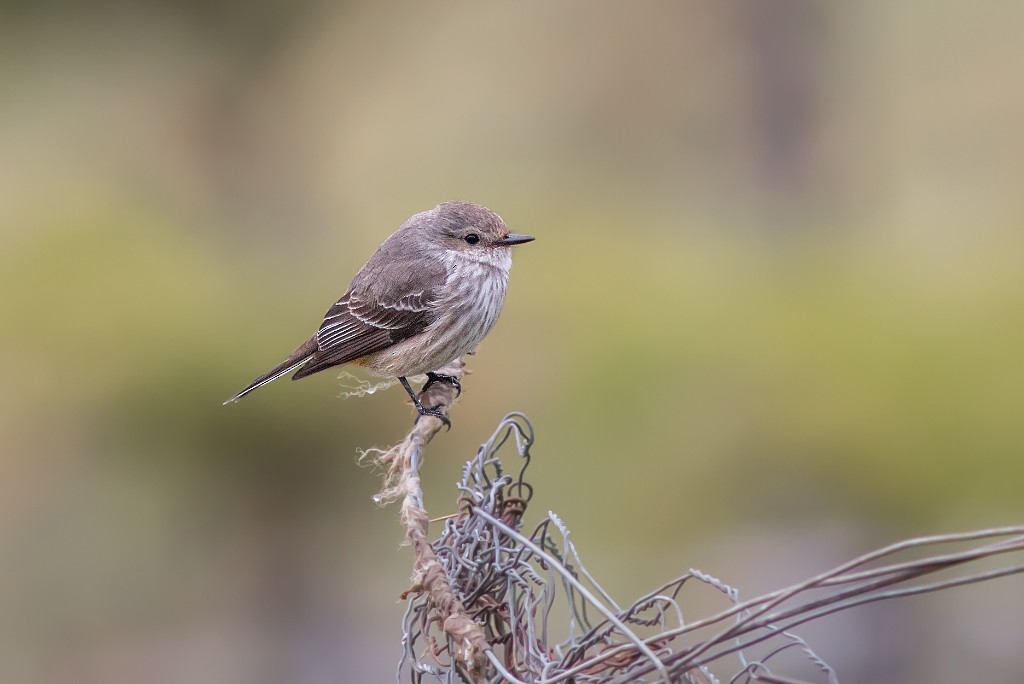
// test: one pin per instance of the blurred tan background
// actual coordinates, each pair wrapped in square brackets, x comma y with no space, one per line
[773,317]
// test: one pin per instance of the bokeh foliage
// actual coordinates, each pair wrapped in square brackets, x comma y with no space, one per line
[777,286]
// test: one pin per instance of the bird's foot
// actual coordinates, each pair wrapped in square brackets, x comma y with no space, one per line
[441,377]
[433,411]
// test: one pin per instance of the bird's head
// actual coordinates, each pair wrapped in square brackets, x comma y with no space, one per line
[474,231]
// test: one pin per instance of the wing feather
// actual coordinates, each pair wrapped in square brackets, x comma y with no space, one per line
[376,313]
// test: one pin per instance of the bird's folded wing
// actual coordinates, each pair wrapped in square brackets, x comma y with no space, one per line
[364,322]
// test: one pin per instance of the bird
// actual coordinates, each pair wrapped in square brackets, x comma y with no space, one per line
[429,294]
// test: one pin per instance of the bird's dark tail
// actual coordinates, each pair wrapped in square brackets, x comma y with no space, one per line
[297,359]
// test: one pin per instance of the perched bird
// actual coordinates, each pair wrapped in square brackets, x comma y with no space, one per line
[429,294]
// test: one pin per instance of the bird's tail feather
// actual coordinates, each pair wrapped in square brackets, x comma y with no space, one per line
[297,359]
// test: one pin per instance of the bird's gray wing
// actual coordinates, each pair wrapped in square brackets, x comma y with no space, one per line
[376,313]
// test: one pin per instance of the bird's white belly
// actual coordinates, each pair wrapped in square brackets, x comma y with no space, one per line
[465,318]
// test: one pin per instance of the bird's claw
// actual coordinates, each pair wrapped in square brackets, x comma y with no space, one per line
[435,412]
[442,377]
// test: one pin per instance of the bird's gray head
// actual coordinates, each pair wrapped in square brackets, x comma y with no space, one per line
[469,231]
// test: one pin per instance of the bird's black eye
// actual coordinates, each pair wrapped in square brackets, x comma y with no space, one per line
[472,238]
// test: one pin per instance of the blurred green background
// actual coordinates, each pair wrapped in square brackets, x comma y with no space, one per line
[773,317]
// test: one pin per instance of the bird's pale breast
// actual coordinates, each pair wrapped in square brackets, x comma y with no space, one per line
[474,295]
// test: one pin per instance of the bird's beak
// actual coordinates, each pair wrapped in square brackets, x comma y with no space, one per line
[513,239]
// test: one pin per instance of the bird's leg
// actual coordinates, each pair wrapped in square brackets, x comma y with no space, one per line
[441,377]
[423,410]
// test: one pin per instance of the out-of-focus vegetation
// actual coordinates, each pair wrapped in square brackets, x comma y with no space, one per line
[773,316]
